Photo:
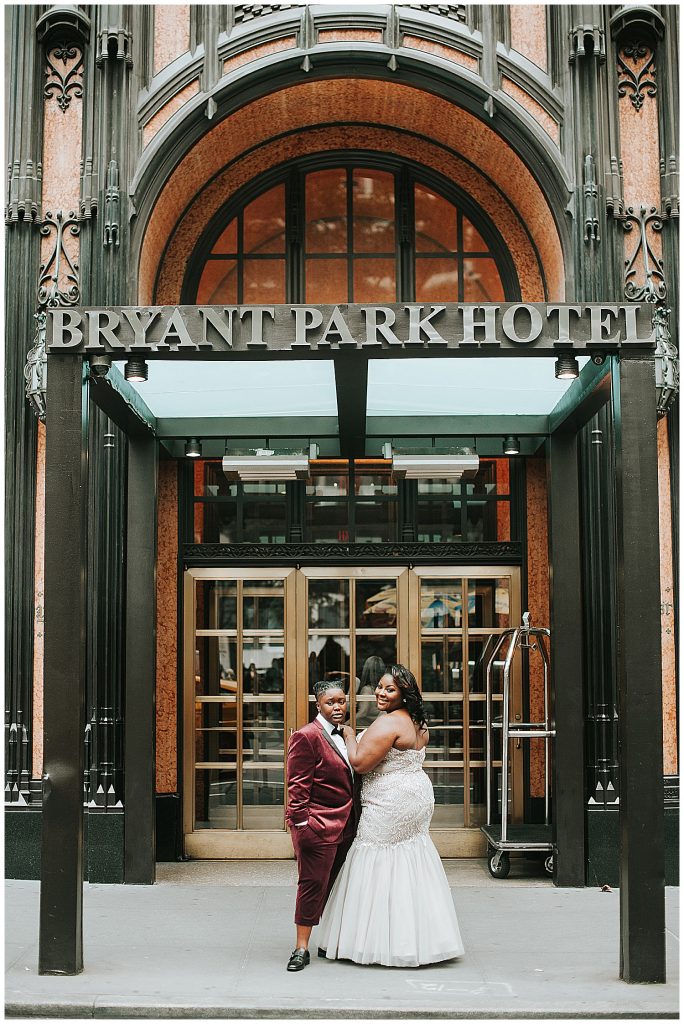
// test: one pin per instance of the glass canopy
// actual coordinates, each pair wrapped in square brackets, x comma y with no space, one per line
[514,386]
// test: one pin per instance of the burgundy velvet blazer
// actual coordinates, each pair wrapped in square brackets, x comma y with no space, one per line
[320,789]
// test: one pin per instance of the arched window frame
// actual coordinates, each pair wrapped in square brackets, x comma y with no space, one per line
[407,173]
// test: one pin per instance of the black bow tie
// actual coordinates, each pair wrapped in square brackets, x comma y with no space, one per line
[336,731]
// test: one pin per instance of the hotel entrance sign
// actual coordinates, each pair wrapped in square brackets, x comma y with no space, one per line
[306,331]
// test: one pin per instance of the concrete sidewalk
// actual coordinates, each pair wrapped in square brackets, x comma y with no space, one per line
[212,940]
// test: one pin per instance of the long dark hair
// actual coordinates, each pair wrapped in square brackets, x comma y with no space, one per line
[411,695]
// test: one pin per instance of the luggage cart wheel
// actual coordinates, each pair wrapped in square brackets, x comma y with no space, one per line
[548,864]
[499,863]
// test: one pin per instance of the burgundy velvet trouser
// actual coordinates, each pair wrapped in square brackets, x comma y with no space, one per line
[318,865]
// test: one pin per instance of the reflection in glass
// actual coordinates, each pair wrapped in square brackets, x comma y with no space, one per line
[329,604]
[327,521]
[436,280]
[489,603]
[488,520]
[227,240]
[440,604]
[448,786]
[481,281]
[472,239]
[264,222]
[263,731]
[215,666]
[375,522]
[446,744]
[441,665]
[478,796]
[263,660]
[263,797]
[263,282]
[265,522]
[444,713]
[328,659]
[211,482]
[435,222]
[376,604]
[328,484]
[326,212]
[216,604]
[212,742]
[438,521]
[263,605]
[218,283]
[215,798]
[370,485]
[326,281]
[373,655]
[375,280]
[373,204]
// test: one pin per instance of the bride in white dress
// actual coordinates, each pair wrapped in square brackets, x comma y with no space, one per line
[391,903]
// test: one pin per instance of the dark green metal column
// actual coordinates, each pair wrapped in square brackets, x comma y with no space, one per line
[567,672]
[639,685]
[139,749]
[61,889]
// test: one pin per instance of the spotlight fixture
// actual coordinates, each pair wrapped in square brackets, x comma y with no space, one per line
[136,370]
[193,448]
[100,365]
[511,445]
[566,368]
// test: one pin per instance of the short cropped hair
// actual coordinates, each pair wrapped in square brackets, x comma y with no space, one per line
[328,684]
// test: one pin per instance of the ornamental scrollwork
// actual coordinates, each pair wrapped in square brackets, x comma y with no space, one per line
[639,81]
[654,287]
[666,361]
[64,83]
[59,266]
[359,553]
[35,370]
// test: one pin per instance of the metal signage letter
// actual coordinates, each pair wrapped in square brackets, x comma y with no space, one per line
[488,325]
[140,326]
[421,325]
[601,323]
[564,312]
[223,329]
[307,318]
[98,332]
[373,328]
[60,327]
[509,328]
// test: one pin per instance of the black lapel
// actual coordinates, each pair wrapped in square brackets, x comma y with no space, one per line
[328,737]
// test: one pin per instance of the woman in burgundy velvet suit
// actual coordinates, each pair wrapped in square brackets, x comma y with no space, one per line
[320,812]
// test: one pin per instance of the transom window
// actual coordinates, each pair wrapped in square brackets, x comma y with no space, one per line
[351,232]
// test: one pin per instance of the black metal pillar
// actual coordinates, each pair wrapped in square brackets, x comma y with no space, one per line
[61,889]
[567,674]
[639,685]
[139,748]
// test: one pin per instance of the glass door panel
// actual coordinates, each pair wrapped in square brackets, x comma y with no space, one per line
[451,650]
[352,634]
[236,642]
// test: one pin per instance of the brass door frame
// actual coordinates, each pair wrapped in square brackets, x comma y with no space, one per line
[470,841]
[277,844]
[219,843]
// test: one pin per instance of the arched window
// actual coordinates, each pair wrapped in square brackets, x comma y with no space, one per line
[361,231]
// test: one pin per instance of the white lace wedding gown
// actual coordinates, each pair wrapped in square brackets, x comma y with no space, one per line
[391,903]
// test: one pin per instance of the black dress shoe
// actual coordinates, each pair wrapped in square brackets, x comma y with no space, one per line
[299,959]
[322,952]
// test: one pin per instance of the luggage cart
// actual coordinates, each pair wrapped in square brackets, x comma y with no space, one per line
[504,838]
